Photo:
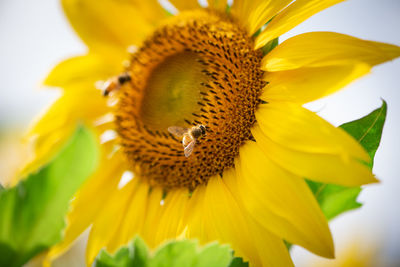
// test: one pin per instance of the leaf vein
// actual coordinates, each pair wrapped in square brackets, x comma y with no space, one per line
[370,127]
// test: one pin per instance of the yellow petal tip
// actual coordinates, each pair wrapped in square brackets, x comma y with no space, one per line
[327,249]
[373,180]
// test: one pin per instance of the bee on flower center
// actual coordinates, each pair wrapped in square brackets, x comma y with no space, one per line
[115,83]
[189,136]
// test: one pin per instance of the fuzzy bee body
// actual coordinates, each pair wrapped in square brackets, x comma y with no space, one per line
[189,136]
[115,83]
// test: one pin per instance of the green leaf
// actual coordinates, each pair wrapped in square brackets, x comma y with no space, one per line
[214,255]
[135,254]
[238,262]
[32,213]
[336,199]
[368,130]
[175,253]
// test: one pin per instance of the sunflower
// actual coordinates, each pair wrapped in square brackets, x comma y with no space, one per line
[243,183]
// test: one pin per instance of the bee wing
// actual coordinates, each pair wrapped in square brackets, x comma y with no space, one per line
[189,148]
[176,130]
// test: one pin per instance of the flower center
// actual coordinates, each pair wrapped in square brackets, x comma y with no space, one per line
[172,92]
[199,68]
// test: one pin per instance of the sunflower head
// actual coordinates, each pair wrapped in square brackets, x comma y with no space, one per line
[198,68]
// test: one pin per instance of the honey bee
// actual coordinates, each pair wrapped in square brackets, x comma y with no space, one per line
[189,136]
[115,83]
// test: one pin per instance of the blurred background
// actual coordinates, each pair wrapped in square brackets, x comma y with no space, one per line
[35,36]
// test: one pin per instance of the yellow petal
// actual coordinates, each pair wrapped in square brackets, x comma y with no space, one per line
[297,128]
[218,4]
[254,14]
[196,216]
[271,249]
[185,4]
[107,25]
[281,202]
[107,224]
[44,149]
[172,222]
[222,210]
[51,131]
[133,220]
[307,84]
[89,201]
[70,107]
[290,17]
[228,223]
[298,75]
[150,9]
[321,167]
[316,49]
[82,69]
[203,225]
[154,212]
